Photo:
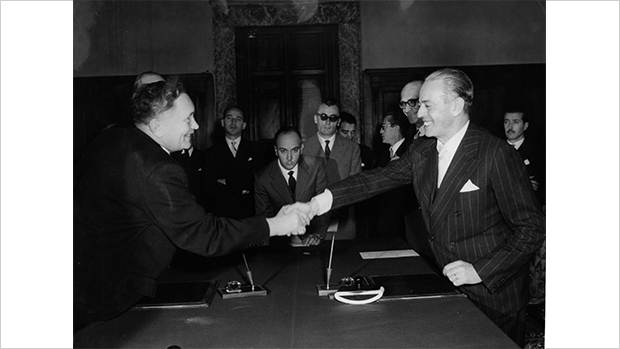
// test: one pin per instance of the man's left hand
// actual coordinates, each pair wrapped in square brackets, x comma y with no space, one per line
[461,273]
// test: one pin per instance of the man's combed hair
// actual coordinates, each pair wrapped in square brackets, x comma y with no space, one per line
[331,102]
[155,98]
[457,82]
[284,130]
[348,118]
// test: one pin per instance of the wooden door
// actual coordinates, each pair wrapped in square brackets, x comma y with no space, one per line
[282,75]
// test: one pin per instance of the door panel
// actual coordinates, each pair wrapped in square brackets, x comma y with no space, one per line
[282,74]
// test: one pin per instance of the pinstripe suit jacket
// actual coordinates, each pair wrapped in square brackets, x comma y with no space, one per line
[497,228]
[271,190]
[344,160]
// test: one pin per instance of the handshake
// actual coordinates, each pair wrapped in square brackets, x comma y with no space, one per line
[293,219]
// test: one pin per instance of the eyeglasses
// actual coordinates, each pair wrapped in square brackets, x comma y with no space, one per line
[413,102]
[384,126]
[332,118]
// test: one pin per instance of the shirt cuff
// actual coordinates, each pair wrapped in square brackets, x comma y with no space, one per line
[325,201]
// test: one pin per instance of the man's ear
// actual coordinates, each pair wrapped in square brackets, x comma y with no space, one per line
[316,119]
[222,123]
[243,127]
[457,106]
[155,127]
[275,148]
[301,147]
[525,126]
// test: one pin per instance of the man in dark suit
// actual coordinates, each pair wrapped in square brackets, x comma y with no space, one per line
[133,209]
[193,161]
[347,129]
[516,122]
[230,168]
[417,235]
[394,204]
[289,178]
[483,219]
[341,156]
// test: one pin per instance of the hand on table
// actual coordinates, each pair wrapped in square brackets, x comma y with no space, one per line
[311,239]
[461,273]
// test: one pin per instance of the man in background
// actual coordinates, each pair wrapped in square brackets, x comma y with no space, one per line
[289,178]
[410,104]
[348,129]
[340,155]
[230,166]
[516,122]
[417,234]
[396,203]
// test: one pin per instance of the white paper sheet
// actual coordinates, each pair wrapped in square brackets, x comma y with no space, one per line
[389,254]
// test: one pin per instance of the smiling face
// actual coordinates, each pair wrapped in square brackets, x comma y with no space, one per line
[177,124]
[514,127]
[288,149]
[439,110]
[327,128]
[233,123]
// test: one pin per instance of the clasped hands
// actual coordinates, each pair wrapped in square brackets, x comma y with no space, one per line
[292,219]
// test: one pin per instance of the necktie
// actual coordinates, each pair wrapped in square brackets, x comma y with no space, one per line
[391,153]
[442,160]
[292,182]
[234,148]
[327,150]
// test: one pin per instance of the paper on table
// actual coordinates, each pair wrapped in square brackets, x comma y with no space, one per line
[389,254]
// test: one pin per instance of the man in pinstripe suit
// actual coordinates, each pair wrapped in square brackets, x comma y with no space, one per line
[483,219]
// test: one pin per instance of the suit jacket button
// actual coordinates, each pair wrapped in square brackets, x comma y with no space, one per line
[457,213]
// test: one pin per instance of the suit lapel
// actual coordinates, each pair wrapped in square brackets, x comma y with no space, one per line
[460,170]
[279,184]
[303,176]
[425,174]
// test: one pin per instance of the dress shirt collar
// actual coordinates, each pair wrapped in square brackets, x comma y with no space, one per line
[285,171]
[453,143]
[518,143]
[396,146]
[331,141]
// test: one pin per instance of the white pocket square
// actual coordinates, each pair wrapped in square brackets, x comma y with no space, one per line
[469,186]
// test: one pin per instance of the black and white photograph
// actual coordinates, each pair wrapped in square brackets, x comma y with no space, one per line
[310,174]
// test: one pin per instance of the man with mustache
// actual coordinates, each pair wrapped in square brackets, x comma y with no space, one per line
[230,166]
[133,208]
[515,124]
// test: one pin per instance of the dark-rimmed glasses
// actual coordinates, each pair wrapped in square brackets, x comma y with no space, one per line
[413,102]
[332,118]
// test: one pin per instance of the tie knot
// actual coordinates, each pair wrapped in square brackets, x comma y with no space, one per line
[290,173]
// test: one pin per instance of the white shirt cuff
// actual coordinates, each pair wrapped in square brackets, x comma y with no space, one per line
[325,201]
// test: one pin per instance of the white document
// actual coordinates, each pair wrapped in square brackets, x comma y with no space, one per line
[389,254]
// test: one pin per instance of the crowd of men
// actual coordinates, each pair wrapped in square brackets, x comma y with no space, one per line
[460,196]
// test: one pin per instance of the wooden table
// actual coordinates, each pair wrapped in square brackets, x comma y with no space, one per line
[292,315]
